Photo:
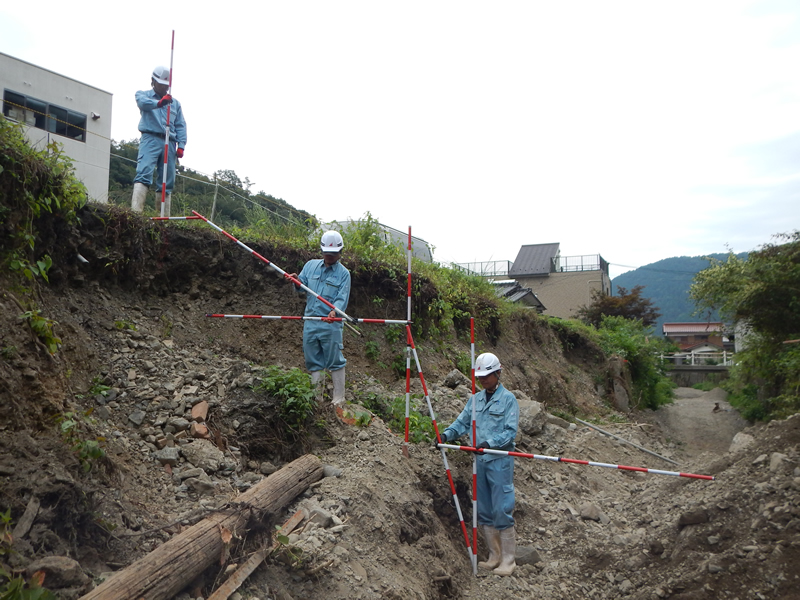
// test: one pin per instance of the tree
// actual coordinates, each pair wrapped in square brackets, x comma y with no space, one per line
[626,305]
[762,291]
[763,294]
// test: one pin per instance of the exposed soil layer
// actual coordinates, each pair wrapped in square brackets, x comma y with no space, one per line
[138,352]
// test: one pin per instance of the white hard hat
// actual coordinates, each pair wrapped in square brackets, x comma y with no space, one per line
[332,242]
[161,75]
[486,364]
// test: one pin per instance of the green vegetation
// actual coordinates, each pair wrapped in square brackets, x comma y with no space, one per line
[762,295]
[15,587]
[124,324]
[634,343]
[33,183]
[393,413]
[43,328]
[628,305]
[705,386]
[372,350]
[76,431]
[294,391]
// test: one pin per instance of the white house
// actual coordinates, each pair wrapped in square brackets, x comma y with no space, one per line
[56,108]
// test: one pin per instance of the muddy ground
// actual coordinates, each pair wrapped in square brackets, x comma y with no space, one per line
[138,355]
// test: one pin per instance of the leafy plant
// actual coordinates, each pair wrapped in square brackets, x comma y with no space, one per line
[30,270]
[124,324]
[372,350]
[76,432]
[363,419]
[393,412]
[293,388]
[16,588]
[393,333]
[98,388]
[464,363]
[43,328]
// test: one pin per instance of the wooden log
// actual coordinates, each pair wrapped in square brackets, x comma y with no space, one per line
[242,573]
[172,566]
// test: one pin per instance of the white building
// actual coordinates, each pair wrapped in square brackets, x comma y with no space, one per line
[59,109]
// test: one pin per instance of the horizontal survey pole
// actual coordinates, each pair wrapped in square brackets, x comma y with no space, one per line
[172,218]
[303,318]
[574,461]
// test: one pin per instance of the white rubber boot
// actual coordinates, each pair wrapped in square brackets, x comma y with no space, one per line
[338,387]
[317,379]
[492,537]
[139,196]
[167,204]
[508,544]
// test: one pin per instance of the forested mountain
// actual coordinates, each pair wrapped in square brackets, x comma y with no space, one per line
[667,283]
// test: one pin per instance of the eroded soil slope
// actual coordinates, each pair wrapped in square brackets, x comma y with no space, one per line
[133,321]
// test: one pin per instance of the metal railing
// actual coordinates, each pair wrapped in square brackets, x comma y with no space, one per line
[723,358]
[587,262]
[491,268]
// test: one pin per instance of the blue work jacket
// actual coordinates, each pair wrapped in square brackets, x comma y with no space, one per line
[496,421]
[332,283]
[154,119]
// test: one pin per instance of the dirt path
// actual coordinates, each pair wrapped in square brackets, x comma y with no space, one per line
[700,421]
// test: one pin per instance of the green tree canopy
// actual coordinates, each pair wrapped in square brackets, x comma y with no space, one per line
[762,291]
[628,305]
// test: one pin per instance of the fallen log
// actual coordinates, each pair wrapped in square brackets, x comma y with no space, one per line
[172,566]
[243,572]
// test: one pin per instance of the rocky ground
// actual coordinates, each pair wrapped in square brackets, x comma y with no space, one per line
[174,399]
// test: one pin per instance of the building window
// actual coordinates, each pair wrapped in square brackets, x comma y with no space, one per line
[37,113]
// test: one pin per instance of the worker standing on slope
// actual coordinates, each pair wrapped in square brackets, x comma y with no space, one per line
[322,340]
[153,105]
[496,420]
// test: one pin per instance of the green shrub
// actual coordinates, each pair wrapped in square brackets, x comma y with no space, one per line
[294,391]
[393,413]
[76,431]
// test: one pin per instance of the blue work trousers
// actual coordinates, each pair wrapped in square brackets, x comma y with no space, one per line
[322,346]
[151,156]
[496,492]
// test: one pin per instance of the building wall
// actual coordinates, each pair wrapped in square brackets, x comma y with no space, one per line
[90,158]
[563,293]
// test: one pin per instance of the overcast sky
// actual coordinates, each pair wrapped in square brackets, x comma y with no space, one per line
[638,129]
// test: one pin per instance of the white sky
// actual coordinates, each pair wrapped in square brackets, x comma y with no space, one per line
[638,129]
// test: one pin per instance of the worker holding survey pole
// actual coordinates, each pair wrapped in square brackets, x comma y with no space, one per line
[322,340]
[497,417]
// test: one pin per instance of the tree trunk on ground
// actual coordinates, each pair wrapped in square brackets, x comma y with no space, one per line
[173,565]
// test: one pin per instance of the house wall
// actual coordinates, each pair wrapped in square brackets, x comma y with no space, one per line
[563,293]
[91,157]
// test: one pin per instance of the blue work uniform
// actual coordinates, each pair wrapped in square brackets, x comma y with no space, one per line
[322,342]
[152,126]
[496,421]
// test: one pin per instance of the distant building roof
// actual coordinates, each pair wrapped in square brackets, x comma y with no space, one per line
[514,292]
[679,328]
[534,259]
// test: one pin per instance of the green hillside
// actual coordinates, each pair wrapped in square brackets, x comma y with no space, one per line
[667,283]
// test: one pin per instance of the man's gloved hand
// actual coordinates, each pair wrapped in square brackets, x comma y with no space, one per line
[180,152]
[443,438]
[483,445]
[165,99]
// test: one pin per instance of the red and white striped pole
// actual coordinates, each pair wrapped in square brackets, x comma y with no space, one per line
[172,218]
[474,458]
[408,351]
[576,461]
[303,318]
[439,440]
[281,272]
[166,133]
